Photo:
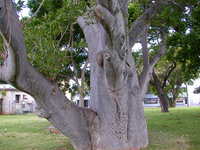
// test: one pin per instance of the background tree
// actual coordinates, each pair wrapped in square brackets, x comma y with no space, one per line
[165,79]
[186,52]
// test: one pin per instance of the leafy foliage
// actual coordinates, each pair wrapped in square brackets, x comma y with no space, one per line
[181,22]
[54,40]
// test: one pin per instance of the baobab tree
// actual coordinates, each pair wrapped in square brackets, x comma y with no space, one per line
[115,120]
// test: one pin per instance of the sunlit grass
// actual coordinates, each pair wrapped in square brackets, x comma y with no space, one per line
[177,130]
[29,132]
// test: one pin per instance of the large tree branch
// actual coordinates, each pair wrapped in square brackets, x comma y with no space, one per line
[148,67]
[113,5]
[105,15]
[145,19]
[71,120]
[7,72]
[161,51]
[140,24]
[145,55]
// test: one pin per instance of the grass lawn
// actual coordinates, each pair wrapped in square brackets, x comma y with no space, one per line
[29,132]
[177,130]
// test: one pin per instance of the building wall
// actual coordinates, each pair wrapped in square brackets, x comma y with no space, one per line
[7,103]
[194,99]
[26,103]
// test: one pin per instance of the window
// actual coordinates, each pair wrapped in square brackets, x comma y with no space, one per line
[24,97]
[78,101]
[17,98]
[85,103]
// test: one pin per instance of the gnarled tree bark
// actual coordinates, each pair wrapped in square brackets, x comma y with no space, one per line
[115,120]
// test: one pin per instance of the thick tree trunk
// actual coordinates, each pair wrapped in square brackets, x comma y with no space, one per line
[115,94]
[161,94]
[172,102]
[175,93]
[163,101]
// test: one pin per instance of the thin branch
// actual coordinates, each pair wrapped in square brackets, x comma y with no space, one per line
[62,35]
[155,78]
[146,73]
[162,49]
[168,73]
[35,13]
[145,19]
[140,24]
[145,50]
[38,9]
[71,35]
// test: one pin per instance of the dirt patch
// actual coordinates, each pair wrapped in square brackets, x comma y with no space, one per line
[53,130]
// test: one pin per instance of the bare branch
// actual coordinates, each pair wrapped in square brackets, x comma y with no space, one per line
[161,52]
[62,35]
[144,20]
[155,78]
[71,35]
[38,9]
[35,13]
[145,50]
[168,73]
[145,55]
[148,66]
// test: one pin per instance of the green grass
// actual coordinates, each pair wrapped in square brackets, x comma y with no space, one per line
[177,130]
[29,132]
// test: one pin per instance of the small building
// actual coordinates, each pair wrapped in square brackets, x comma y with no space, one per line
[193,93]
[151,100]
[13,101]
[76,100]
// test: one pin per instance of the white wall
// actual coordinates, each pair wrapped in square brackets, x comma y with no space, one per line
[194,99]
[11,107]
